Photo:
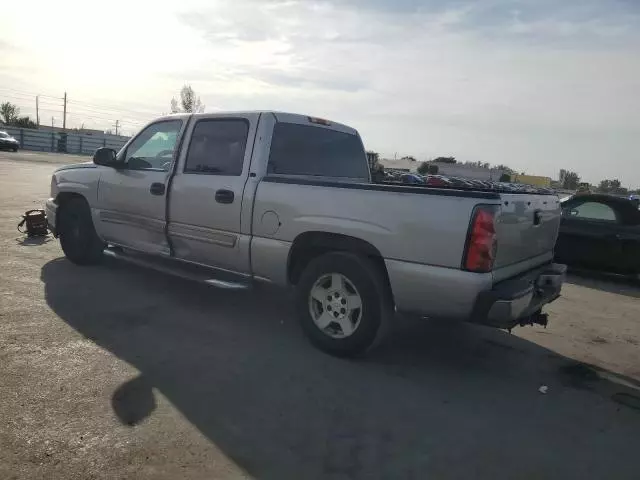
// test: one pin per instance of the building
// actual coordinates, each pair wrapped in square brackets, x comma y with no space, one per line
[473,172]
[535,180]
[451,169]
[401,164]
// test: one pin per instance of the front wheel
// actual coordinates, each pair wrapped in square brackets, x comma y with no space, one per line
[78,238]
[343,303]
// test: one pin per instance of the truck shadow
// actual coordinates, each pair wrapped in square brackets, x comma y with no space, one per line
[438,401]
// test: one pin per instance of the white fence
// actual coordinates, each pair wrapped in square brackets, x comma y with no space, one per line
[64,142]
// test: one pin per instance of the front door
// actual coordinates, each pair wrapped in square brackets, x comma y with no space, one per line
[207,193]
[132,198]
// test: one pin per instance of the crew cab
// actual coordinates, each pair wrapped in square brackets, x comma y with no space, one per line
[232,199]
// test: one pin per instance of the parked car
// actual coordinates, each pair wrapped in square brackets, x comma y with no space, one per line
[412,179]
[600,232]
[7,142]
[239,198]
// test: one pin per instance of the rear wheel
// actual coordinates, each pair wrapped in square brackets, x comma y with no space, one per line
[343,303]
[78,238]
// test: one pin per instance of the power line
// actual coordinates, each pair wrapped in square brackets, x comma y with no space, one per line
[31,94]
[22,99]
[24,95]
[80,111]
[107,107]
[146,114]
[108,118]
[114,113]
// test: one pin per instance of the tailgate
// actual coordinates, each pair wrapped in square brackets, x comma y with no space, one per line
[527,226]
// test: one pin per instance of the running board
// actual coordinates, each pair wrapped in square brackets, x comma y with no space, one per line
[180,269]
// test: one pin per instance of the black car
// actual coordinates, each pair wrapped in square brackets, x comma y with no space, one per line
[600,232]
[7,142]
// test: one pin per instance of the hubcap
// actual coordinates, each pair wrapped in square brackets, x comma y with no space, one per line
[335,305]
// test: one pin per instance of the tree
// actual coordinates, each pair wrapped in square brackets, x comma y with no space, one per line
[478,164]
[189,102]
[505,177]
[373,158]
[570,180]
[612,186]
[9,113]
[445,160]
[24,122]
[428,168]
[504,168]
[373,155]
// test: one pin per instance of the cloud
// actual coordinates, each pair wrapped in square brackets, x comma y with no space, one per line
[536,84]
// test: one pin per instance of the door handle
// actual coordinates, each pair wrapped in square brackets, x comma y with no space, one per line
[157,188]
[537,217]
[224,196]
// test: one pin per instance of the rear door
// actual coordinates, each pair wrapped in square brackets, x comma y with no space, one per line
[590,235]
[132,199]
[206,199]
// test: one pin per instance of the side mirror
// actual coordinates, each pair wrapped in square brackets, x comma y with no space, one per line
[105,157]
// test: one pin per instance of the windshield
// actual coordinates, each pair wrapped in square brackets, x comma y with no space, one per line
[4,135]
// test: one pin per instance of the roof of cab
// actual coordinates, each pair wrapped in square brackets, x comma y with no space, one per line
[284,117]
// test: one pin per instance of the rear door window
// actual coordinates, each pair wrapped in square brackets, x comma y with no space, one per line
[217,147]
[316,151]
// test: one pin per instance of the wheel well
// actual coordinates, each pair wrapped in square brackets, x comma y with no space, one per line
[310,245]
[63,199]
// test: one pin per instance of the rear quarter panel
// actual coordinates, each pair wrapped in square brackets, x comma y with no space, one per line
[418,228]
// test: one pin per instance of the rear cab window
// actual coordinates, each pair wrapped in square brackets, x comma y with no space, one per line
[309,150]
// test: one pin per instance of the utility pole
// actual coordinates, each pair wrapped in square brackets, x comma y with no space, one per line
[64,113]
[37,112]
[52,122]
[117,125]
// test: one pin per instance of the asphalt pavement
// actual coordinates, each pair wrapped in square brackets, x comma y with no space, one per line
[117,372]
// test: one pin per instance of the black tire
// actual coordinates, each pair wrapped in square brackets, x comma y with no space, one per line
[15,149]
[78,238]
[377,310]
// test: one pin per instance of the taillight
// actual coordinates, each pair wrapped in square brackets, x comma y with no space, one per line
[481,241]
[53,190]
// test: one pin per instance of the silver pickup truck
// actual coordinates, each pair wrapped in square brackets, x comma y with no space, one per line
[232,199]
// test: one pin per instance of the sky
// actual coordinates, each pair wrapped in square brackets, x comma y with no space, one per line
[538,85]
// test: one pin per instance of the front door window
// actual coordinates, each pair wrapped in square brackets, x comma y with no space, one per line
[154,147]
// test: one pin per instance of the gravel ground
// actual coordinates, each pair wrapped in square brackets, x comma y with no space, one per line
[118,372]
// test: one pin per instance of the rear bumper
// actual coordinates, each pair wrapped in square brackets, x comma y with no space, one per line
[51,209]
[518,300]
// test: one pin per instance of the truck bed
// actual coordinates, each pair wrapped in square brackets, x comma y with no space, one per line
[526,226]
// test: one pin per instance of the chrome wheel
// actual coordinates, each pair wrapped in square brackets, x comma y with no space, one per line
[335,305]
